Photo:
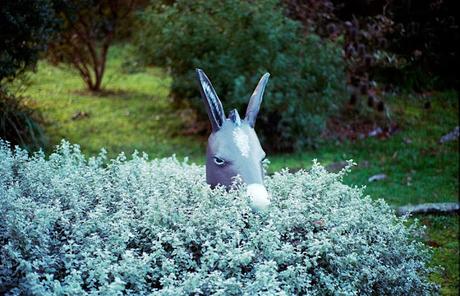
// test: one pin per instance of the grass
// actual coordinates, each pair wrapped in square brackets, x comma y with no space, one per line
[135,114]
[443,235]
[418,168]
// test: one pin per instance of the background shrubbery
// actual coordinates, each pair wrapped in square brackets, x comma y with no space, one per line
[235,42]
[74,226]
[20,122]
[25,29]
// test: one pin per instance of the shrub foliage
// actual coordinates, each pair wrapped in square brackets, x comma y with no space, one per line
[410,44]
[26,28]
[76,226]
[235,42]
[20,122]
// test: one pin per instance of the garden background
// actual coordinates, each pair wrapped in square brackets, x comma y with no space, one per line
[372,81]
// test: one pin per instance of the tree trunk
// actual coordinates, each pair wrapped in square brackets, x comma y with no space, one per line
[89,34]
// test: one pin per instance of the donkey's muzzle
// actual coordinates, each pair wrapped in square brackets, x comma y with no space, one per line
[259,196]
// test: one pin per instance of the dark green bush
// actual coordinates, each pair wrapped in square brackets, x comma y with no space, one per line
[426,35]
[409,44]
[19,122]
[235,42]
[26,26]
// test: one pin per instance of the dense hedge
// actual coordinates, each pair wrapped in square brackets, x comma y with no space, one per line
[76,226]
[235,43]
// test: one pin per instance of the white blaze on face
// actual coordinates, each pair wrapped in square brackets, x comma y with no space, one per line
[242,141]
[258,195]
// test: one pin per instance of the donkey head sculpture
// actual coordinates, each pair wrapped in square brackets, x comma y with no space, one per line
[233,147]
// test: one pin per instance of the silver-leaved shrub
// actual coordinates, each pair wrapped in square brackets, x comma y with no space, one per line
[76,226]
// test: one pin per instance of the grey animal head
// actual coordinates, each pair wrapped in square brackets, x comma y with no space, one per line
[233,146]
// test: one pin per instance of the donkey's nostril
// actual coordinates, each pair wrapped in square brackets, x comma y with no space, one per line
[258,195]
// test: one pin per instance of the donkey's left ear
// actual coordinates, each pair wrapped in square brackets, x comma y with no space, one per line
[256,100]
[211,100]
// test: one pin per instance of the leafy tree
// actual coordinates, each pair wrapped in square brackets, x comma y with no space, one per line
[235,42]
[26,28]
[427,36]
[89,29]
[412,44]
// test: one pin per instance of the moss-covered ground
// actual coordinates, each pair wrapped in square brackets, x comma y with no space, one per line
[135,113]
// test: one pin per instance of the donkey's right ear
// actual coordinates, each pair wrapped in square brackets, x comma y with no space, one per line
[211,100]
[256,100]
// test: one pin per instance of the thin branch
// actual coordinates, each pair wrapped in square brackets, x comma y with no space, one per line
[86,38]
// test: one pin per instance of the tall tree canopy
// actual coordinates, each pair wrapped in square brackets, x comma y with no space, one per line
[26,28]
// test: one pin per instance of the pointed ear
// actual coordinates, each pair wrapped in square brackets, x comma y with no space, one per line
[211,100]
[256,100]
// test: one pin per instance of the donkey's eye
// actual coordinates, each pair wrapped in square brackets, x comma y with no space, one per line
[219,161]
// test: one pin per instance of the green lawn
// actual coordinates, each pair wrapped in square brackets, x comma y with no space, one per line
[418,168]
[135,113]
